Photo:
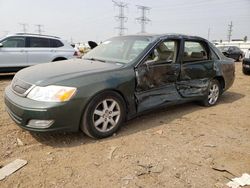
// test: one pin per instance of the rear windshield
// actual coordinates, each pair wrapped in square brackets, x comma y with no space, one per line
[223,48]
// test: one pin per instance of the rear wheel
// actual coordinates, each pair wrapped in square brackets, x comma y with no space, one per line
[103,115]
[245,71]
[59,59]
[213,93]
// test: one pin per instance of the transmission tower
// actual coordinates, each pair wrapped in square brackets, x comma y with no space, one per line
[143,20]
[208,34]
[121,17]
[24,27]
[39,28]
[230,29]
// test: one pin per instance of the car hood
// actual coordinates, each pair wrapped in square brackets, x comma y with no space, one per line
[49,73]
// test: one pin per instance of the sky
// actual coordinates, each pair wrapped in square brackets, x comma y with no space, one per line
[83,20]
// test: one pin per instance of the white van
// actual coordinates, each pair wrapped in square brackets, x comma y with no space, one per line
[22,50]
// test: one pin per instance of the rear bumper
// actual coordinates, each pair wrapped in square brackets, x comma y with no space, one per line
[65,116]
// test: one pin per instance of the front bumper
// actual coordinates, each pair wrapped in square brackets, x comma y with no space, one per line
[65,116]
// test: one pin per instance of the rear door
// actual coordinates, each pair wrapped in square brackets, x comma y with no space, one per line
[197,69]
[39,50]
[156,76]
[13,53]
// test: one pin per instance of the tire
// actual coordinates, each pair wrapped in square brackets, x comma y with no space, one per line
[104,115]
[245,71]
[213,94]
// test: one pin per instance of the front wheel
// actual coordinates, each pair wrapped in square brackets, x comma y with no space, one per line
[103,115]
[213,94]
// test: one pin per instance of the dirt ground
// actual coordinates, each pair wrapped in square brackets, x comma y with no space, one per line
[180,146]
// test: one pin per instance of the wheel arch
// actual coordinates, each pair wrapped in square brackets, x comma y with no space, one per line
[101,92]
[59,59]
[221,80]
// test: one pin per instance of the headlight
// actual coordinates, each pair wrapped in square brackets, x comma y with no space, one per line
[51,93]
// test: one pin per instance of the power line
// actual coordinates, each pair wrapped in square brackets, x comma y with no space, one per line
[24,27]
[230,29]
[121,17]
[143,20]
[39,28]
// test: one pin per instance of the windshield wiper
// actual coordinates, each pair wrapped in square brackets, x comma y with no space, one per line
[94,59]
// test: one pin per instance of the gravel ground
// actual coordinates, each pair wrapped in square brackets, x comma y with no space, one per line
[180,146]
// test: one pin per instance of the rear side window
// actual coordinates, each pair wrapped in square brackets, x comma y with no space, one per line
[14,42]
[55,43]
[36,42]
[194,51]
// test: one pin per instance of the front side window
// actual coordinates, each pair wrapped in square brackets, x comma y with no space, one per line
[119,49]
[14,42]
[164,52]
[36,42]
[194,51]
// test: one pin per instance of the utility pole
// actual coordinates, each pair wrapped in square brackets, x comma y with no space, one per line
[143,20]
[208,34]
[24,27]
[230,29]
[39,28]
[121,17]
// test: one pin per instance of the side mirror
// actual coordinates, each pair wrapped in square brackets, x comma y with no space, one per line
[1,45]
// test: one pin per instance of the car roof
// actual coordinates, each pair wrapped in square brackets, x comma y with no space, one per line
[34,35]
[227,46]
[169,35]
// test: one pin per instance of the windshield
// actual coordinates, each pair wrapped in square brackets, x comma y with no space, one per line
[223,48]
[119,49]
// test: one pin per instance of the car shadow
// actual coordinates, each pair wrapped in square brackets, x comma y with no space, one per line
[157,117]
[62,139]
[230,97]
[6,76]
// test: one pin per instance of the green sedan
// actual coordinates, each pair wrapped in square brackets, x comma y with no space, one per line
[119,79]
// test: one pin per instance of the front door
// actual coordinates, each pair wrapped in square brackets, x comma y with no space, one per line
[13,52]
[157,75]
[197,69]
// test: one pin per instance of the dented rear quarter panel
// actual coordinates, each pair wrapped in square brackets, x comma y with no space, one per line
[228,72]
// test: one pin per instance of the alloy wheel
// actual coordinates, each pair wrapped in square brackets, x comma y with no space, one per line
[213,94]
[106,115]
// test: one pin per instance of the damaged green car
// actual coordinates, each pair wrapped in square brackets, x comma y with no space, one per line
[119,79]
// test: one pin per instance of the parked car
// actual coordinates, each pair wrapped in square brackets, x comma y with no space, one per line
[246,63]
[232,52]
[117,80]
[22,50]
